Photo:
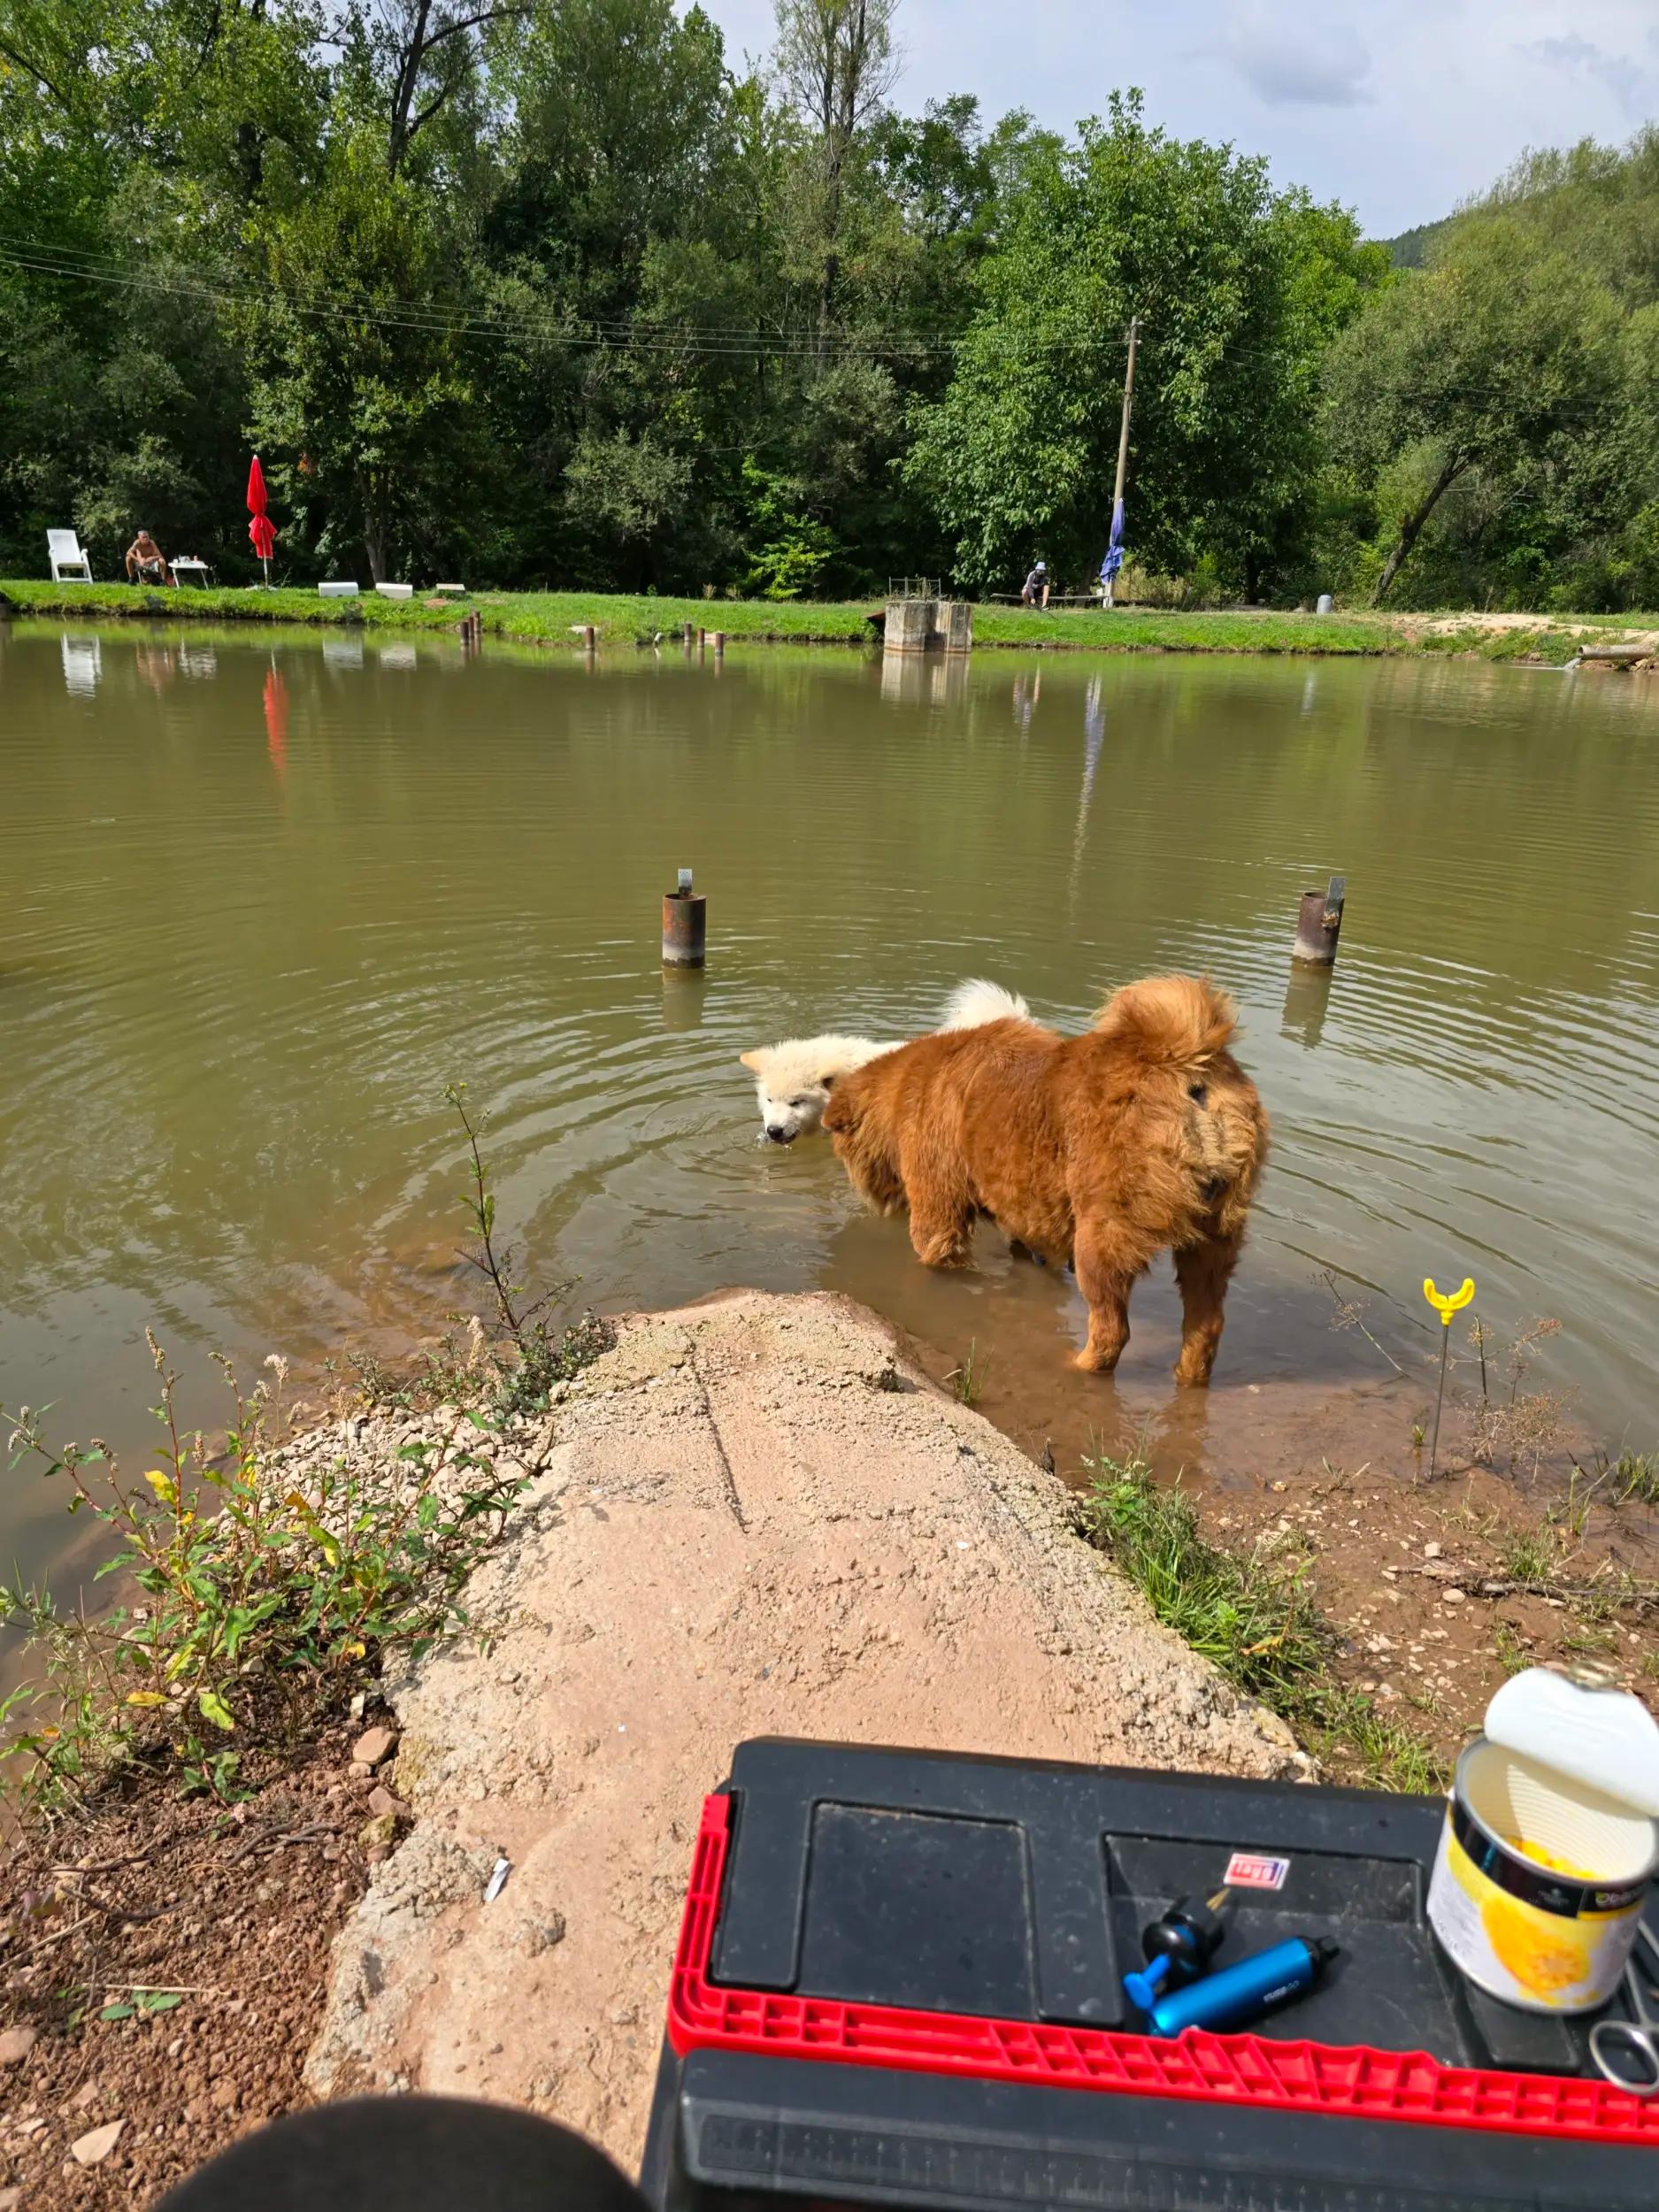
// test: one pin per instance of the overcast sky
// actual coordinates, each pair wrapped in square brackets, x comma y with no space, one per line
[1398,108]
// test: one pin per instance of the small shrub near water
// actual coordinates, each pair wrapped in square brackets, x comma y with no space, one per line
[260,1588]
[1248,1613]
[252,1595]
[969,1378]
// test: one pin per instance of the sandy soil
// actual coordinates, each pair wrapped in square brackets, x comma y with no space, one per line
[758,1518]
[1572,625]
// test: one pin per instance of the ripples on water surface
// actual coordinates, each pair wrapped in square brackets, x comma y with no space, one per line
[261,902]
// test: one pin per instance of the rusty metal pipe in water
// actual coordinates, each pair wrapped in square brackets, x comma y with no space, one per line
[1320,924]
[685,925]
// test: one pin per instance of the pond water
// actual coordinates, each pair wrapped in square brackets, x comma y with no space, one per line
[260,899]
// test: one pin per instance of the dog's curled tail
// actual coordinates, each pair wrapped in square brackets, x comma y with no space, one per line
[1170,1020]
[973,1003]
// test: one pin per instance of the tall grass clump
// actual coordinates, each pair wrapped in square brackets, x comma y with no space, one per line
[1250,1615]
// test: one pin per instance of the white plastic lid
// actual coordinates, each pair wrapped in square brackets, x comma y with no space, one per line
[1583,1726]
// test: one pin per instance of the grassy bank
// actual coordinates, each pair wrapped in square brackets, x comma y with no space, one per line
[1249,1614]
[557,618]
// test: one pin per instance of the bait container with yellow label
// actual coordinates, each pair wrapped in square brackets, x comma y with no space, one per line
[1550,1842]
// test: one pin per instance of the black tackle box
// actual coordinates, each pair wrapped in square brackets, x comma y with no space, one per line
[899,1982]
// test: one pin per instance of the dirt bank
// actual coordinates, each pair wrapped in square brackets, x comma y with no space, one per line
[757,1518]
[162,1969]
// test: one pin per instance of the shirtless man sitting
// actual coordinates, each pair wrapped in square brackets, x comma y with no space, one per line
[145,562]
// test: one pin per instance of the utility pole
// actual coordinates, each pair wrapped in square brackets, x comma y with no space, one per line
[1123,434]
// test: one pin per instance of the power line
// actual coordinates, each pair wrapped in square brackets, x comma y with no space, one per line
[613,333]
[619,336]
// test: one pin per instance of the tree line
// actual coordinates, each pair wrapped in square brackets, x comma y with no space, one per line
[550,293]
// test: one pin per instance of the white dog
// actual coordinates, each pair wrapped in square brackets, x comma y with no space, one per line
[794,1080]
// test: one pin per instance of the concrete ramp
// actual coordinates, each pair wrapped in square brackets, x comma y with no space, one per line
[754,1517]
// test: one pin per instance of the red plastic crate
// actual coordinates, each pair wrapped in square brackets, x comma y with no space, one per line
[1357,2083]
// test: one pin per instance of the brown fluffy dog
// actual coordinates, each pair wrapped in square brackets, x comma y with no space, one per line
[1144,1136]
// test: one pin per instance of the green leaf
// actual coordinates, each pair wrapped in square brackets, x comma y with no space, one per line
[160,1999]
[118,2012]
[213,1709]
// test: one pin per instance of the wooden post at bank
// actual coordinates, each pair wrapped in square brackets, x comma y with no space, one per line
[1320,924]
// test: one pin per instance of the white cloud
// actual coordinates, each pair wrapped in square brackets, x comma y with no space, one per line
[1290,64]
[1632,84]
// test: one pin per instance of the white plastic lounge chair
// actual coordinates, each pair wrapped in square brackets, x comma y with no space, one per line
[62,550]
[338,591]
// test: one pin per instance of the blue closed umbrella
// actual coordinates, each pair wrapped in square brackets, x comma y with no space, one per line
[1114,559]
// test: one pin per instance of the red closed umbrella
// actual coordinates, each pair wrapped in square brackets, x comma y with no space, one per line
[259,529]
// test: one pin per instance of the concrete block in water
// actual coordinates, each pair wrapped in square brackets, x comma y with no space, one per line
[909,624]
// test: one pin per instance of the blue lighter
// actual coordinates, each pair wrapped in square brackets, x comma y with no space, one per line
[1232,1996]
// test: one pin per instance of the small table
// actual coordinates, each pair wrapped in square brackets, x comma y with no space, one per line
[200,570]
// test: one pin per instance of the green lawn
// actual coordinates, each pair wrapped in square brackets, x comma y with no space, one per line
[556,618]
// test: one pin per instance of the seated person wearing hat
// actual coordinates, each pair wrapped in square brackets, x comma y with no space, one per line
[146,564]
[1035,592]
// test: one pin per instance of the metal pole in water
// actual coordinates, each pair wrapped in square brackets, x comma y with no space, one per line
[685,925]
[1434,1441]
[1320,924]
[1446,1304]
